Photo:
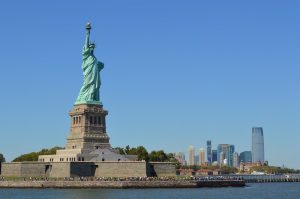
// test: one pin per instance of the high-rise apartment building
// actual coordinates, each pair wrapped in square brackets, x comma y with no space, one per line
[208,152]
[180,157]
[245,157]
[201,156]
[225,154]
[258,145]
[191,155]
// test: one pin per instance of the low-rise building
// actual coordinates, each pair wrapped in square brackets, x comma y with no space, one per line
[246,167]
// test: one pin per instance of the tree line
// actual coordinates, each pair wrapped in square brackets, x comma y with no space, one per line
[142,154]
[273,170]
[223,169]
[140,151]
[33,156]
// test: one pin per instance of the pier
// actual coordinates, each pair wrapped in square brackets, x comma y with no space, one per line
[268,178]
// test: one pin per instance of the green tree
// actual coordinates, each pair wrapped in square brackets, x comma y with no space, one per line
[142,153]
[120,150]
[228,170]
[33,156]
[127,149]
[158,156]
[2,158]
[171,157]
[132,151]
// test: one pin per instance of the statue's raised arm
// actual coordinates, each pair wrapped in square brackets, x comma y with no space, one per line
[87,35]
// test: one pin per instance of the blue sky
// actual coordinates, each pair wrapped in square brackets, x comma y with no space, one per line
[176,73]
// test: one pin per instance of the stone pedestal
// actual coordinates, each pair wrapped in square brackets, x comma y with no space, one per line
[87,140]
[88,128]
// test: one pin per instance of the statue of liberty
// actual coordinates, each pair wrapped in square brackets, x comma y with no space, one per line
[89,92]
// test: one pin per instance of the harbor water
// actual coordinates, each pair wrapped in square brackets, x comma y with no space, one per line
[289,190]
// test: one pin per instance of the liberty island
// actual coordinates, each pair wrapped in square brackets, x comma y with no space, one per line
[88,160]
[87,152]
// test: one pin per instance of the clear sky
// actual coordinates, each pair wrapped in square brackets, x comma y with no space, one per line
[176,73]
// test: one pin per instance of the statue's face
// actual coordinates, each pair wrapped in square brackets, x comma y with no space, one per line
[92,47]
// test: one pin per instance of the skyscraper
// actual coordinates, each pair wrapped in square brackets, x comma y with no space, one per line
[246,157]
[201,156]
[208,152]
[225,154]
[214,157]
[236,159]
[222,160]
[258,145]
[191,155]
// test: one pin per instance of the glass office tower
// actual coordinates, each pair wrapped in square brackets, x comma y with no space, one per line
[246,157]
[258,145]
[208,151]
[214,154]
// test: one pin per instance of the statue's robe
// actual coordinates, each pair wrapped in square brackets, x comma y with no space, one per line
[89,92]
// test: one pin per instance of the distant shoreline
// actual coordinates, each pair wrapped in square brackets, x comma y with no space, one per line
[121,184]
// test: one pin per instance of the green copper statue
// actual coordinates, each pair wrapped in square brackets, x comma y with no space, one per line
[89,92]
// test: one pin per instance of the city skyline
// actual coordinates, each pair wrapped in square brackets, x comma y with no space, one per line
[210,73]
[226,153]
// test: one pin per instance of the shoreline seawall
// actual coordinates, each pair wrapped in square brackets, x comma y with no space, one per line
[121,184]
